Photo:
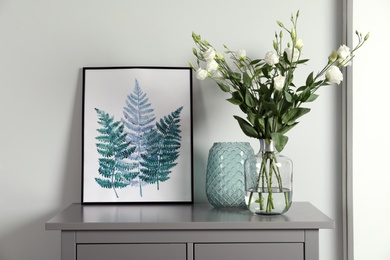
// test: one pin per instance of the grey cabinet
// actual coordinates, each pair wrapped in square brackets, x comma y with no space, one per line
[187,232]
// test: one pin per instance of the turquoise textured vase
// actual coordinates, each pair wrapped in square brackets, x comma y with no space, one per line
[225,182]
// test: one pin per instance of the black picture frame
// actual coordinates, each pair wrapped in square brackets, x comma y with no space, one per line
[137,135]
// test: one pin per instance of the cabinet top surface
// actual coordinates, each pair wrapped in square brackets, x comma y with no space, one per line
[302,215]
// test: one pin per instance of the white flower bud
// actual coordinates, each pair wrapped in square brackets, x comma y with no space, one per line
[334,75]
[298,43]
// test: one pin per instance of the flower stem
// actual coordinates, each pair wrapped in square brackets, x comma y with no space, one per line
[260,176]
[264,183]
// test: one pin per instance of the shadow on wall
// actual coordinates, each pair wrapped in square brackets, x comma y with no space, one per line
[72,170]
[199,171]
[199,161]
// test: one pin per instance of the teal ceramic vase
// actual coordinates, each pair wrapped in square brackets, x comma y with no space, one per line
[225,182]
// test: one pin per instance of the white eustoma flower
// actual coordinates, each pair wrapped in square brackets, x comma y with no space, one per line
[334,75]
[343,52]
[271,58]
[241,54]
[209,54]
[211,66]
[292,57]
[201,74]
[279,82]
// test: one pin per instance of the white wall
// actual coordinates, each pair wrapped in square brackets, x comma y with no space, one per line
[43,46]
[371,90]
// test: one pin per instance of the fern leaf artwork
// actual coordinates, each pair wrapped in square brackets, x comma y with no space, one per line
[114,167]
[138,120]
[162,145]
[137,134]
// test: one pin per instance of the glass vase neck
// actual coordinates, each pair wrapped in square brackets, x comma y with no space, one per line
[267,145]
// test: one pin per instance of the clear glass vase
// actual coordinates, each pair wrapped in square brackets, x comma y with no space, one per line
[225,186]
[268,181]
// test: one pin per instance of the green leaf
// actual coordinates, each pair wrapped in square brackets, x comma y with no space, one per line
[249,99]
[287,128]
[292,115]
[288,96]
[277,125]
[280,141]
[302,61]
[223,87]
[302,88]
[311,98]
[246,127]
[310,79]
[305,95]
[247,80]
[255,61]
[269,125]
[252,118]
[263,89]
[287,106]
[271,106]
[237,95]
[234,101]
[261,125]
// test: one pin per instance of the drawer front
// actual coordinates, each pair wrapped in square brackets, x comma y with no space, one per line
[258,251]
[131,251]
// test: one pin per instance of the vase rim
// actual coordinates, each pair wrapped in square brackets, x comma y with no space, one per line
[231,142]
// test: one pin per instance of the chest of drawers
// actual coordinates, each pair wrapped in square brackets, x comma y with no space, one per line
[187,232]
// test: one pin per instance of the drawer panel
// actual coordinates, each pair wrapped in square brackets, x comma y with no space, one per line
[258,251]
[131,251]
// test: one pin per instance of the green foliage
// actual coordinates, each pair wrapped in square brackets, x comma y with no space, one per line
[114,149]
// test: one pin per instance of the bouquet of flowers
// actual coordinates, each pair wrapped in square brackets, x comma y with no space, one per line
[264,88]
[265,91]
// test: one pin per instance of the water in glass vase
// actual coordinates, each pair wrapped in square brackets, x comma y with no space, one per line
[263,202]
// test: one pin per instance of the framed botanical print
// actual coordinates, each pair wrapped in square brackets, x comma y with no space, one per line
[137,135]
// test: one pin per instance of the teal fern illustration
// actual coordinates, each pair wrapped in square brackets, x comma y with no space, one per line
[114,167]
[138,119]
[163,144]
